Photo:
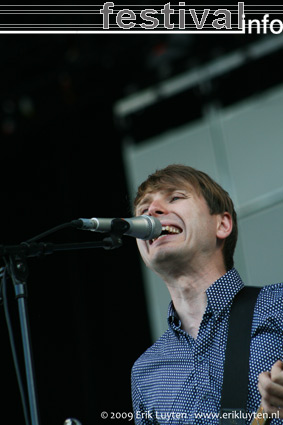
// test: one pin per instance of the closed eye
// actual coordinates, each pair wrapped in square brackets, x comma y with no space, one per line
[142,211]
[176,198]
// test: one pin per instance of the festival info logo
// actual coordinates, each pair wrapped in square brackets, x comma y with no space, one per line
[179,17]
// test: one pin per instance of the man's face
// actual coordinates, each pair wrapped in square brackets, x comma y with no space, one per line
[191,232]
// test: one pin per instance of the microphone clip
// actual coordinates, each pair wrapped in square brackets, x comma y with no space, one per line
[119,226]
[112,241]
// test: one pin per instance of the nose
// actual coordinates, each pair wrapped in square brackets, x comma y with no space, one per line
[157,208]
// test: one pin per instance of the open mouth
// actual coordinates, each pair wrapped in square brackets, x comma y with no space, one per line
[167,230]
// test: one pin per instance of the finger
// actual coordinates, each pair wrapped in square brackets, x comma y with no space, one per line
[272,393]
[264,379]
[270,387]
[277,372]
[275,411]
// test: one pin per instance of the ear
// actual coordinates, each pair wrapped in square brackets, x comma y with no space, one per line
[224,225]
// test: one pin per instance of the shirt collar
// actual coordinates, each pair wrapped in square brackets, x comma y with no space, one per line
[223,290]
[219,296]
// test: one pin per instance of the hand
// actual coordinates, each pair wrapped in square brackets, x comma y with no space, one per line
[270,385]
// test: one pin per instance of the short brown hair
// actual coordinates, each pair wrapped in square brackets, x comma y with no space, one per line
[217,199]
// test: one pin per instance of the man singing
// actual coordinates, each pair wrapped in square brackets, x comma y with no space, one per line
[178,380]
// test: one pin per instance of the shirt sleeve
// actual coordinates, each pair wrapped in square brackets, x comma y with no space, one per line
[142,416]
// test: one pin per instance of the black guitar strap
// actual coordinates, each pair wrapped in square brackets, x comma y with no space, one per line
[236,366]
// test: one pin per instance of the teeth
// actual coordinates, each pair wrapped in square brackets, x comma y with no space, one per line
[169,229]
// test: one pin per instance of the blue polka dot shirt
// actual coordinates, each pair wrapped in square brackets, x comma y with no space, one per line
[178,380]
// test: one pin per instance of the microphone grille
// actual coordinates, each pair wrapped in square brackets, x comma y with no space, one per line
[154,227]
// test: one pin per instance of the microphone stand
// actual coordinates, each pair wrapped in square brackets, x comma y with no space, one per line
[18,270]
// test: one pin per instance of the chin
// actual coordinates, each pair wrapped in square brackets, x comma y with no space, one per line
[164,259]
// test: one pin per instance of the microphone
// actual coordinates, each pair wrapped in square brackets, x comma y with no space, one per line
[142,227]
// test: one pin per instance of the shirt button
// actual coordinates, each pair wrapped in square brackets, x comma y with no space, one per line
[205,397]
[200,358]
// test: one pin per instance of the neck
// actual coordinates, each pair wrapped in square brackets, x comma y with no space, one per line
[188,293]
